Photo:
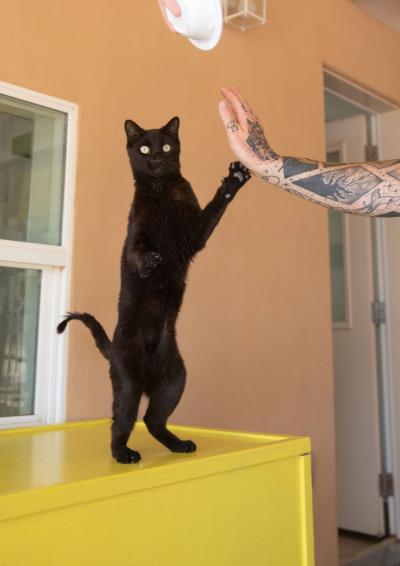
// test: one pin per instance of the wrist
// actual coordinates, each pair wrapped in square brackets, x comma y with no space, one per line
[269,170]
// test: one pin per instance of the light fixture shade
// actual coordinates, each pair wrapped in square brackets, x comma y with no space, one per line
[245,14]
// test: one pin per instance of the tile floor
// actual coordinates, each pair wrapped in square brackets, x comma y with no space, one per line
[351,545]
[387,555]
[366,551]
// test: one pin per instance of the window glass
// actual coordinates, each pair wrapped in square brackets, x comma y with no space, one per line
[337,255]
[337,260]
[32,155]
[19,317]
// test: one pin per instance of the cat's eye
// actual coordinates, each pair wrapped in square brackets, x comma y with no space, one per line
[166,148]
[145,149]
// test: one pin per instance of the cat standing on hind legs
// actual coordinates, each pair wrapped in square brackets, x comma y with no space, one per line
[166,229]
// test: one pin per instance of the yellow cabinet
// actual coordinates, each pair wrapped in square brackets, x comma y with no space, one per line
[242,500]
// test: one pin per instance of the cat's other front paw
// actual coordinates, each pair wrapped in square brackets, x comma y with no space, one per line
[125,455]
[148,263]
[238,176]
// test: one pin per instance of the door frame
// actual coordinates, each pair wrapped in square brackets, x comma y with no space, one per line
[389,420]
[389,428]
[55,264]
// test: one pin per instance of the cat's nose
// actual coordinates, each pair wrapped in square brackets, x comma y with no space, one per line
[156,164]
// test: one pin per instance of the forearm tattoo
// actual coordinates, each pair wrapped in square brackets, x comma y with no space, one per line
[371,188]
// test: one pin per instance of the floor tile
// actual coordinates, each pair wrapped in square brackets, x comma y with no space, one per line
[385,555]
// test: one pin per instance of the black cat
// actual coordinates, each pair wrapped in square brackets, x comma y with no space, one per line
[166,229]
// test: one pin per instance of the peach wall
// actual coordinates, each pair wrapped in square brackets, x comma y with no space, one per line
[255,326]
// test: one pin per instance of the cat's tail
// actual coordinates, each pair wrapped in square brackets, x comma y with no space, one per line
[102,341]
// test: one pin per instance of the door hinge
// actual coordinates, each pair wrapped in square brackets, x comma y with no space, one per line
[386,485]
[371,152]
[378,312]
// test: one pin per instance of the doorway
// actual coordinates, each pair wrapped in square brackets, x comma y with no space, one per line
[357,126]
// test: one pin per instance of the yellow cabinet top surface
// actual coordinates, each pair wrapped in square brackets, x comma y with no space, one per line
[51,466]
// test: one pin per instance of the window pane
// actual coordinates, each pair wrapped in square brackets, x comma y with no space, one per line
[337,254]
[338,273]
[333,156]
[32,154]
[19,317]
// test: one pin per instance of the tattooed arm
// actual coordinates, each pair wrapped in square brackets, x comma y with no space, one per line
[371,188]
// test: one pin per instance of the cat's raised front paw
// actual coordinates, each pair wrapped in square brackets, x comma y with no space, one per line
[125,455]
[148,263]
[238,176]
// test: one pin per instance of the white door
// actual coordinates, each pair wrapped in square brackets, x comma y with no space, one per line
[390,149]
[358,455]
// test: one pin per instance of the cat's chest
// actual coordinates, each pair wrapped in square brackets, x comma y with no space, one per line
[171,228]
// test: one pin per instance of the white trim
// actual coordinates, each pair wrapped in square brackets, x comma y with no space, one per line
[60,364]
[33,254]
[19,422]
[387,396]
[357,95]
[390,416]
[362,107]
[20,93]
[55,264]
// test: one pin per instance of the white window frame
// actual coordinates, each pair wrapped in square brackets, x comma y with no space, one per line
[55,265]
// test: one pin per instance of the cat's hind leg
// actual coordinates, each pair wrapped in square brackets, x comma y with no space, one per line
[126,399]
[163,399]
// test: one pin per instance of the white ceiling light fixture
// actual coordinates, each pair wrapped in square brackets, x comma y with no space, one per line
[245,14]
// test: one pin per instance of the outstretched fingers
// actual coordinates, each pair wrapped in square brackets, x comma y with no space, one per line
[228,117]
[238,107]
[241,102]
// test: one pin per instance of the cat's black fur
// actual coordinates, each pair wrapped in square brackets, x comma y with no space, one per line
[166,229]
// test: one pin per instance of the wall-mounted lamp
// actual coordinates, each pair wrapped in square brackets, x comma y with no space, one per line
[245,14]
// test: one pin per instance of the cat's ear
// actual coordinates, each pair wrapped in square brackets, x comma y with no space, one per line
[132,130]
[173,126]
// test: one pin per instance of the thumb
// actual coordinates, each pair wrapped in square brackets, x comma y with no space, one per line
[228,116]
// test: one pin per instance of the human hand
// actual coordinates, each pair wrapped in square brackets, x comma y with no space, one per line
[245,132]
[175,9]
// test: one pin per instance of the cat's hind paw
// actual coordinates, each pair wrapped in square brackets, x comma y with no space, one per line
[125,455]
[183,446]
